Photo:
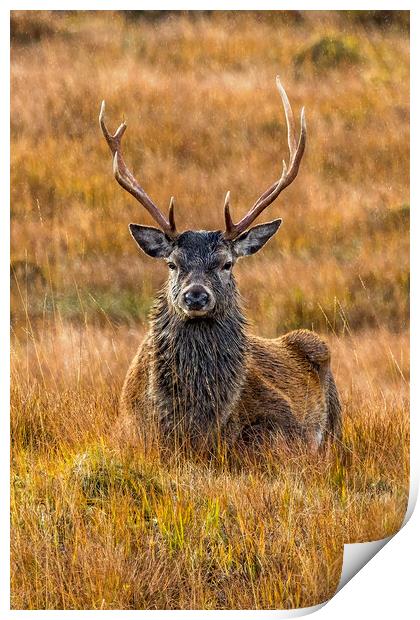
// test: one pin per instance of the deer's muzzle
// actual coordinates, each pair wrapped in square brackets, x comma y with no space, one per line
[196,300]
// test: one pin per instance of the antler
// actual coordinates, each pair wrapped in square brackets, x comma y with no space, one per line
[290,170]
[126,179]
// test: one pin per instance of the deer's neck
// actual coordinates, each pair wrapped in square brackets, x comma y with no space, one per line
[198,369]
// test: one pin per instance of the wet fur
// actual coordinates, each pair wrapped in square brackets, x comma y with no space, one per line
[199,380]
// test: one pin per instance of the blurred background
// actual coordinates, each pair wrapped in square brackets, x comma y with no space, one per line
[197,90]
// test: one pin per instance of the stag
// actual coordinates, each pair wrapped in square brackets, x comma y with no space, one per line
[199,375]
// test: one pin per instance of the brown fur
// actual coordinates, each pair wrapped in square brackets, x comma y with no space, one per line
[288,391]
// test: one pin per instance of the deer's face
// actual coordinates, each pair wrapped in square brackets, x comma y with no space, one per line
[200,264]
[200,269]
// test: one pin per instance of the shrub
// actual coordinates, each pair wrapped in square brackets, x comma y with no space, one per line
[328,53]
[30,26]
[381,19]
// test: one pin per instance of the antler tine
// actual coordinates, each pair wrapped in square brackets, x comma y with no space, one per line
[228,220]
[114,141]
[126,179]
[171,216]
[289,173]
[290,119]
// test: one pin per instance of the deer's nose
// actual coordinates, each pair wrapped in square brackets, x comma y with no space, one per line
[196,297]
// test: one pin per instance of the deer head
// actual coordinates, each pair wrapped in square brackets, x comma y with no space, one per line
[200,262]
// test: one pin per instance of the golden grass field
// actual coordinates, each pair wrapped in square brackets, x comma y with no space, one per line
[96,525]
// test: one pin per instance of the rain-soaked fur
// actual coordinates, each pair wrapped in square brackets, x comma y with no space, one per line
[199,376]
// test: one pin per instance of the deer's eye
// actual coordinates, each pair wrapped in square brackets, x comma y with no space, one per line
[227,266]
[172,266]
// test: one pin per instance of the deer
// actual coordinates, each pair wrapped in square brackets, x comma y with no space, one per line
[200,375]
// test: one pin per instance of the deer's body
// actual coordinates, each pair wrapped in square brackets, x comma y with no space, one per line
[286,390]
[206,378]
[199,374]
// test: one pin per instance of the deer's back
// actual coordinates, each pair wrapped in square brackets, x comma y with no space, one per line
[286,377]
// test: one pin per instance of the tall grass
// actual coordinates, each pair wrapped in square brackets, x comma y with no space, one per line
[96,524]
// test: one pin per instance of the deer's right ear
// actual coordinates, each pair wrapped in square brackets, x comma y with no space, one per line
[151,240]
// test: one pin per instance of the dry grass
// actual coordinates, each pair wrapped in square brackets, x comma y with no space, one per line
[99,526]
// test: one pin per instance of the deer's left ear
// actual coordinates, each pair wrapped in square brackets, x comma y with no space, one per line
[253,239]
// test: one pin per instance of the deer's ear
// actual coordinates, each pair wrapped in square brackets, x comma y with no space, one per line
[151,240]
[253,239]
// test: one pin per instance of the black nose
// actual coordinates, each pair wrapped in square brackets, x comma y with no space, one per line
[196,297]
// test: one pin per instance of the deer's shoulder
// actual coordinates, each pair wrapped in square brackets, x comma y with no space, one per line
[137,378]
